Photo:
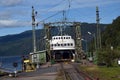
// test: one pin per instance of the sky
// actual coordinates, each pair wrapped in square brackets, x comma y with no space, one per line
[15,15]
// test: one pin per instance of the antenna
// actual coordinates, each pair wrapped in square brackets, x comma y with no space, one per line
[64,15]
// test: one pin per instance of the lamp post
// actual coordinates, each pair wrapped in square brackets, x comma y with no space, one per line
[94,39]
[86,46]
[95,48]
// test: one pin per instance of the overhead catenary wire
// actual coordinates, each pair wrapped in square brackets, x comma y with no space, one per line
[59,3]
[69,5]
[48,10]
[49,17]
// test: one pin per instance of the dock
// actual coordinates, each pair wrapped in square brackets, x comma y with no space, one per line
[45,72]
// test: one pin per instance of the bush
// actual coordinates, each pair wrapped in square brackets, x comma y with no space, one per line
[107,57]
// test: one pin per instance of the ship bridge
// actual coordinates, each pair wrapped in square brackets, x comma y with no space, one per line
[62,43]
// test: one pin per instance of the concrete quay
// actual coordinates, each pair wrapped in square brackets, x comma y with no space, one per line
[45,72]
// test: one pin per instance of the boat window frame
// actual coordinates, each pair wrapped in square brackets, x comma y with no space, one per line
[71,44]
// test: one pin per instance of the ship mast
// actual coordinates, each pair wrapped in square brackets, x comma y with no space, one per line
[63,23]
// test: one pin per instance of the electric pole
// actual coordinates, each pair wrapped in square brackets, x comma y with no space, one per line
[33,29]
[34,24]
[98,29]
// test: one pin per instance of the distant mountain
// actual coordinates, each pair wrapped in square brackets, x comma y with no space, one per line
[21,44]
[18,44]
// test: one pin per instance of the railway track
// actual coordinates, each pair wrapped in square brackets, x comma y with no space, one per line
[71,72]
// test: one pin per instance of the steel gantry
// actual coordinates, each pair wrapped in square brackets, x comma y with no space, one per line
[77,32]
[78,41]
[47,38]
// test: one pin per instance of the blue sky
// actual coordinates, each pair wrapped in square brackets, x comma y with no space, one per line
[15,15]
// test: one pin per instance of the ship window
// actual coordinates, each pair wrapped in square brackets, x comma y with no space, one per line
[61,37]
[56,38]
[52,45]
[55,45]
[68,44]
[64,37]
[71,44]
[64,44]
[58,44]
[61,44]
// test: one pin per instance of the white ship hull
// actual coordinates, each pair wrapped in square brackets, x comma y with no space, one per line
[62,48]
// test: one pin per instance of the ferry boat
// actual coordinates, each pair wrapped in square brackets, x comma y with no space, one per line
[62,48]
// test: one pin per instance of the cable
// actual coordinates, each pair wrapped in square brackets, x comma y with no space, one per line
[69,3]
[57,12]
[59,3]
[50,17]
[56,5]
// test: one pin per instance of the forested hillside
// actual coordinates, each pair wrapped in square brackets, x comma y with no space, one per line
[111,35]
[110,51]
[21,44]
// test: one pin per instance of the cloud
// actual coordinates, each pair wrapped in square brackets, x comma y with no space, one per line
[13,23]
[9,2]
[17,13]
[13,16]
[5,15]
[91,3]
[64,4]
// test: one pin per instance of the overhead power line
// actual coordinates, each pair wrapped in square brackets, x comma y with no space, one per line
[69,1]
[50,17]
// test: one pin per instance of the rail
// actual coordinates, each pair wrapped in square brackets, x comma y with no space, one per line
[73,74]
[85,76]
[63,71]
[72,71]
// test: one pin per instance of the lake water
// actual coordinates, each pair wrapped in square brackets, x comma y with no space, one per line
[7,62]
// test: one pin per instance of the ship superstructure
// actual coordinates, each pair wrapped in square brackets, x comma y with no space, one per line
[62,43]
[62,48]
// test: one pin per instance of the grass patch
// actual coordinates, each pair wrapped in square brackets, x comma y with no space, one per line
[103,73]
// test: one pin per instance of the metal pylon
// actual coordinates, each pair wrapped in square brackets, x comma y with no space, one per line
[78,41]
